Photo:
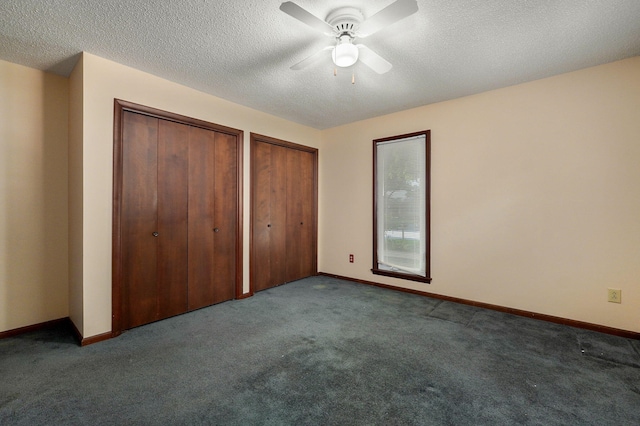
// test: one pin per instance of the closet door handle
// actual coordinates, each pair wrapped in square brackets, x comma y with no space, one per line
[269,226]
[216,230]
[155,234]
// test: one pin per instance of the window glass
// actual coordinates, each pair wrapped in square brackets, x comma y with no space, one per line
[401,212]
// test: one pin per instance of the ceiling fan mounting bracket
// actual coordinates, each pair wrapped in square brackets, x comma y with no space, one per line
[345,21]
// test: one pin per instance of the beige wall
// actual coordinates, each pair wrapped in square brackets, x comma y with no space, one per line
[75,185]
[103,81]
[535,195]
[535,190]
[33,197]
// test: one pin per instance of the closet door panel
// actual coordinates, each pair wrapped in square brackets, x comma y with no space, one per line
[139,219]
[300,214]
[172,217]
[225,206]
[278,215]
[261,215]
[201,190]
[308,234]
[294,215]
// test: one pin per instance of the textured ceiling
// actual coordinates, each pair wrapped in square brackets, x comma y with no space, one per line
[241,50]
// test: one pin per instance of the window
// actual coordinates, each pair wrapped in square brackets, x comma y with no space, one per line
[401,235]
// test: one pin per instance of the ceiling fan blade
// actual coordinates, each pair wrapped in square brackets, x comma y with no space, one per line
[311,59]
[387,16]
[295,11]
[373,60]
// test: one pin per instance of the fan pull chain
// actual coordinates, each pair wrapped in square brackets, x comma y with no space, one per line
[353,75]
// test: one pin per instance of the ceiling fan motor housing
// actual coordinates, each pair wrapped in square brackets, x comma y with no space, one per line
[345,21]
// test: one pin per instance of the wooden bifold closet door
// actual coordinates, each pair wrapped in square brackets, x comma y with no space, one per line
[283,212]
[177,216]
[212,219]
[154,218]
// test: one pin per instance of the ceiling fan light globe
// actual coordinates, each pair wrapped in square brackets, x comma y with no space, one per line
[345,55]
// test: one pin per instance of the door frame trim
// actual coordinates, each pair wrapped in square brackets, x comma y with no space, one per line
[117,286]
[255,138]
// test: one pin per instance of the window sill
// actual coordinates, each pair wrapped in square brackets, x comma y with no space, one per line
[402,276]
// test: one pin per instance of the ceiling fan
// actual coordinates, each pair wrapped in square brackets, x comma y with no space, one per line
[345,25]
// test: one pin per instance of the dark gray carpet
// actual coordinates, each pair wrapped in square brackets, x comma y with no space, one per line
[326,352]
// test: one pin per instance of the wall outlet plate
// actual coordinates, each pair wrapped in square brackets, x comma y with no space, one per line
[614,295]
